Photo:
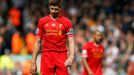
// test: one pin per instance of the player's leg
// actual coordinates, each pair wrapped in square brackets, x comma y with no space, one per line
[60,66]
[47,65]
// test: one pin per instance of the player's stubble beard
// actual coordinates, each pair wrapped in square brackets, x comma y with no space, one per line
[98,41]
[55,15]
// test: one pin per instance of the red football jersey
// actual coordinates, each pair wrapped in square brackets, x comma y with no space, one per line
[54,32]
[94,55]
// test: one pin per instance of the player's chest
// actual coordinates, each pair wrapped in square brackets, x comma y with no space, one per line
[54,28]
[97,52]
[53,25]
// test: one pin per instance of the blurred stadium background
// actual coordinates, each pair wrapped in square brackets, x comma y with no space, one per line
[18,23]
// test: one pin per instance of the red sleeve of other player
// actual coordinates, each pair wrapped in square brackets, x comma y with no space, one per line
[85,50]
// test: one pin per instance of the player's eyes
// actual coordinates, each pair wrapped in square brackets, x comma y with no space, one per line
[56,9]
[52,8]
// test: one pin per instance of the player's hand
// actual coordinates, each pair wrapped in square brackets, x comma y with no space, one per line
[69,61]
[90,73]
[33,68]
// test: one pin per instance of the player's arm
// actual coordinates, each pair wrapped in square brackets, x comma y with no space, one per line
[71,46]
[69,61]
[34,56]
[87,66]
[36,50]
[39,33]
[70,34]
[84,58]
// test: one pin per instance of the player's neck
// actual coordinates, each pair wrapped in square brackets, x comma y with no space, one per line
[54,17]
[95,43]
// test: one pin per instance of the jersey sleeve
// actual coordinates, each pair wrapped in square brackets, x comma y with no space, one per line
[85,51]
[70,29]
[39,31]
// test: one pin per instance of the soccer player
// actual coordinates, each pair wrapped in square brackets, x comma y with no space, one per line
[92,53]
[53,30]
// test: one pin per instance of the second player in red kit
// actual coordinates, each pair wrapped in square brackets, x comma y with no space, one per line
[92,53]
[54,30]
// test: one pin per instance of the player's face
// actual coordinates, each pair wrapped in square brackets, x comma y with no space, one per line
[54,10]
[98,37]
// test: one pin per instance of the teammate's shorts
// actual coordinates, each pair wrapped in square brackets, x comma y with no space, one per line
[52,62]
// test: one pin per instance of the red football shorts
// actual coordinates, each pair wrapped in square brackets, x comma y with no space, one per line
[52,62]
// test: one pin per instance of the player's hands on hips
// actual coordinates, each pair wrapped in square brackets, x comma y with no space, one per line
[69,61]
[33,68]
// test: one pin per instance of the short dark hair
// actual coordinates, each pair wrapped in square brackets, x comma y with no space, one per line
[55,2]
[94,32]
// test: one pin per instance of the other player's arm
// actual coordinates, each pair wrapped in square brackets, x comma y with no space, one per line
[87,66]
[34,55]
[84,58]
